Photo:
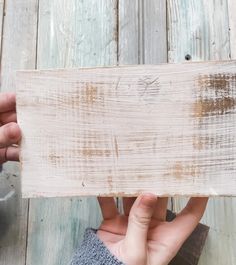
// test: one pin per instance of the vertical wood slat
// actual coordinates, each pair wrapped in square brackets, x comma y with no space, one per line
[142,34]
[129,32]
[154,32]
[1,20]
[232,27]
[18,52]
[71,34]
[200,29]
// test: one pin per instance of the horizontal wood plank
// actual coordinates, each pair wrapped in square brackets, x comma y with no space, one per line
[167,129]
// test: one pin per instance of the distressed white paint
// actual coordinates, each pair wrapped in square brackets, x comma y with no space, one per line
[167,129]
[70,34]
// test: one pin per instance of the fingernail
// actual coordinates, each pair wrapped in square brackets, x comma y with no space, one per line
[14,131]
[147,199]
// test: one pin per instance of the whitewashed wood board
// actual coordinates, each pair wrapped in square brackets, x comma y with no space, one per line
[168,129]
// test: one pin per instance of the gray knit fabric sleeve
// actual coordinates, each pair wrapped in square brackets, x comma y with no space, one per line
[93,252]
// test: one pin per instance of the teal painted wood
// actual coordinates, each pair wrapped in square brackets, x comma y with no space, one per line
[130,35]
[201,29]
[154,32]
[77,33]
[71,34]
[142,32]
[56,227]
[18,52]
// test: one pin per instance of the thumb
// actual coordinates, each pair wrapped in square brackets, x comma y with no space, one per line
[139,220]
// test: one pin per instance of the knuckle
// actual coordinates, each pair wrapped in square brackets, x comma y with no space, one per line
[5,135]
[139,219]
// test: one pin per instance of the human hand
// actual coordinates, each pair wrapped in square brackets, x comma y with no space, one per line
[141,236]
[10,133]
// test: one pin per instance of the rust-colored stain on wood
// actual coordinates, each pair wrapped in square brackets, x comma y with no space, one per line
[209,107]
[91,94]
[218,82]
[179,170]
[90,152]
[222,100]
[204,142]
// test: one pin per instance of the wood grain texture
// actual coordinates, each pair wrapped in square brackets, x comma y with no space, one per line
[232,27]
[198,28]
[201,29]
[130,35]
[142,35]
[129,129]
[18,52]
[77,33]
[142,32]
[56,228]
[154,32]
[71,33]
[1,20]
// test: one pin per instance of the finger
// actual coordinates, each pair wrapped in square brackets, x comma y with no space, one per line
[9,154]
[127,204]
[160,209]
[187,220]
[7,117]
[139,220]
[7,102]
[9,134]
[108,207]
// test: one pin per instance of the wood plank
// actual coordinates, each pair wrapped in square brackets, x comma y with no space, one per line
[1,20]
[232,27]
[129,32]
[200,29]
[124,130]
[142,32]
[71,33]
[18,52]
[154,31]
